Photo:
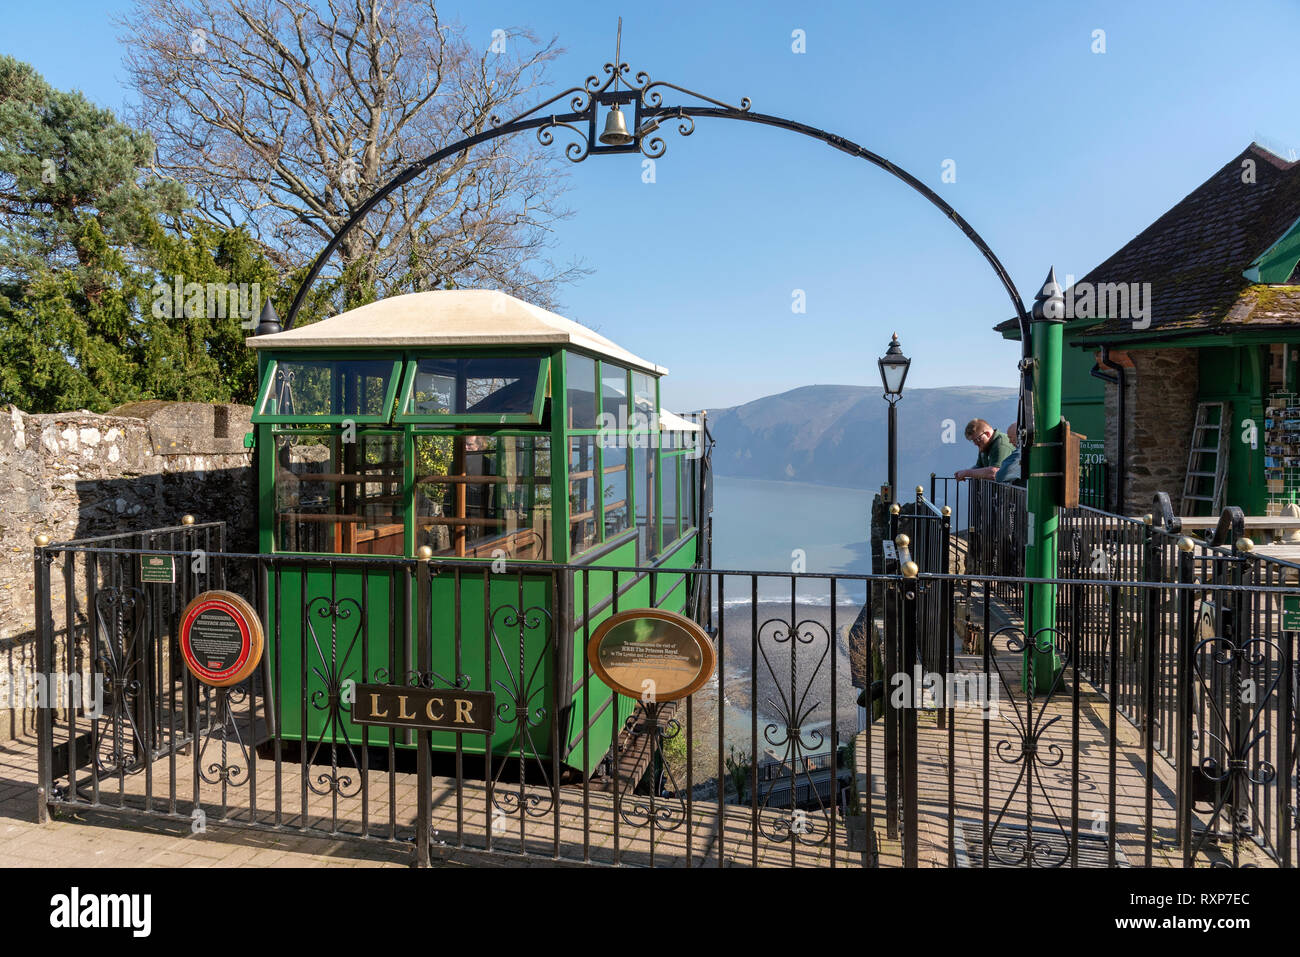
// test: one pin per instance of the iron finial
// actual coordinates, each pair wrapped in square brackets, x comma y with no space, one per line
[269,321]
[1049,303]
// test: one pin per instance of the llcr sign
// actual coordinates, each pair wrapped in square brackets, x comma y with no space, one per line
[399,706]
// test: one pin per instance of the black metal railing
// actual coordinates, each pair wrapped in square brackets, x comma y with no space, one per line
[929,532]
[279,752]
[948,491]
[1144,751]
[998,534]
[1121,589]
[1093,478]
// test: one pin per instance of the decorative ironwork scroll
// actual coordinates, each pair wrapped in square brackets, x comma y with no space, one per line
[329,669]
[1238,736]
[789,732]
[584,102]
[1037,757]
[666,811]
[119,617]
[223,726]
[523,683]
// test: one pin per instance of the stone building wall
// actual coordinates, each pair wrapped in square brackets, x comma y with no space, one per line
[1160,411]
[71,475]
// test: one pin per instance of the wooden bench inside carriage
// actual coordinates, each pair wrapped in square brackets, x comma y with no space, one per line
[525,544]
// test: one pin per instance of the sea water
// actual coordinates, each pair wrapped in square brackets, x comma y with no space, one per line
[761,525]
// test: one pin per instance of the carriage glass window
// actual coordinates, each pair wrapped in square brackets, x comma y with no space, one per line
[580,383]
[668,500]
[483,496]
[334,494]
[613,397]
[614,488]
[690,491]
[498,389]
[645,411]
[328,390]
[582,493]
[644,469]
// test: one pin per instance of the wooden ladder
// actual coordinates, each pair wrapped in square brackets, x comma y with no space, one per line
[1207,459]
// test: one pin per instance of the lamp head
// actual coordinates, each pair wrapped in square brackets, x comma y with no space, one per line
[893,368]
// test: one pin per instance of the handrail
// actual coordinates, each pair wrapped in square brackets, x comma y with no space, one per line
[1163,510]
[1231,528]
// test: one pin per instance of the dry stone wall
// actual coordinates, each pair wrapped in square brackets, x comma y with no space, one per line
[73,475]
[1160,412]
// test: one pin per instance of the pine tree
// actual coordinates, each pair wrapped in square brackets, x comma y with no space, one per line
[93,246]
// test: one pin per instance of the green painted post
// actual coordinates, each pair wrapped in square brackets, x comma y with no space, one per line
[1044,492]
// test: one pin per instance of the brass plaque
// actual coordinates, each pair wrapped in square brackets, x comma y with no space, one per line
[402,706]
[651,655]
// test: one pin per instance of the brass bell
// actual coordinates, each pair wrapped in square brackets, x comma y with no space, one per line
[616,133]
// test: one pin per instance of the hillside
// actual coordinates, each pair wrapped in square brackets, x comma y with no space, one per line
[837,434]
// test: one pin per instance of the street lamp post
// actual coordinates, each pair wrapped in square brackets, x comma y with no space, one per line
[893,372]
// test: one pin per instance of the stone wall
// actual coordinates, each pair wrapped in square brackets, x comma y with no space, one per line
[1160,413]
[71,475]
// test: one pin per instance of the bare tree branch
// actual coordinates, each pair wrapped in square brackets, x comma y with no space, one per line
[284,116]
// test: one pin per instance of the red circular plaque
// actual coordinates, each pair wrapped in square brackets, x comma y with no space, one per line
[221,638]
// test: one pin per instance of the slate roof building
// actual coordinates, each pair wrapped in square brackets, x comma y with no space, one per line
[1197,315]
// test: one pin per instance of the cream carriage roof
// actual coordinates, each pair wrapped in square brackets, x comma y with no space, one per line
[448,317]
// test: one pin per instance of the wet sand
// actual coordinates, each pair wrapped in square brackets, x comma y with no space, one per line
[793,687]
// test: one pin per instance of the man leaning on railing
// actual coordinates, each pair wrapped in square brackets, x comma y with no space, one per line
[1009,472]
[995,448]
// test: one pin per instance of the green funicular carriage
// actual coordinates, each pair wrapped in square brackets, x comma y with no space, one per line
[427,426]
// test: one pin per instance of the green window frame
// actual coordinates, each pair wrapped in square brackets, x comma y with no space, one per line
[289,512]
[306,418]
[540,505]
[581,370]
[459,419]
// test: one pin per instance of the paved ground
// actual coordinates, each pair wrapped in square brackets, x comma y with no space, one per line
[96,839]
[389,809]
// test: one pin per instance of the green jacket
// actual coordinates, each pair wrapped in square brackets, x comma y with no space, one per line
[996,452]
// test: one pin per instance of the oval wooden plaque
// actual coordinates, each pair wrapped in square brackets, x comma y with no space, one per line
[651,655]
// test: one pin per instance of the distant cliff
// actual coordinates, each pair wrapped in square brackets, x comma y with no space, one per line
[837,434]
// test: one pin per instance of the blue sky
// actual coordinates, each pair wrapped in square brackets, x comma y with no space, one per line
[1061,155]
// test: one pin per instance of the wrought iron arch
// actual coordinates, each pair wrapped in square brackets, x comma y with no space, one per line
[645,97]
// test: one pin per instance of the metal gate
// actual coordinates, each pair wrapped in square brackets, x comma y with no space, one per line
[1168,737]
